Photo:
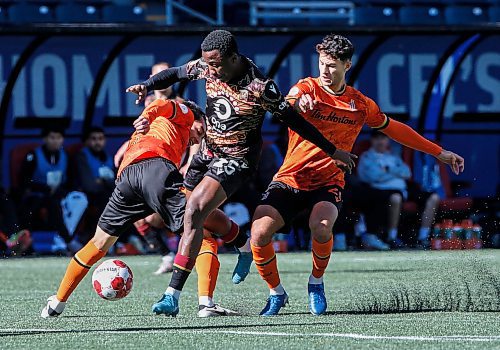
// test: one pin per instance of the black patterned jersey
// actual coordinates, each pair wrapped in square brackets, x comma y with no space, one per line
[235,111]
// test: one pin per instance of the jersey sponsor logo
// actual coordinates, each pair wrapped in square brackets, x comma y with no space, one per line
[222,108]
[228,166]
[333,117]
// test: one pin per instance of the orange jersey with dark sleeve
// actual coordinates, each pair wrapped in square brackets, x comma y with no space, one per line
[168,135]
[339,118]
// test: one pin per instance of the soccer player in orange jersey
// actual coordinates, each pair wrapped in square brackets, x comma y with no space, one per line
[148,181]
[309,179]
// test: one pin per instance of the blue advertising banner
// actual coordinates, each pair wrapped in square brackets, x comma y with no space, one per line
[396,70]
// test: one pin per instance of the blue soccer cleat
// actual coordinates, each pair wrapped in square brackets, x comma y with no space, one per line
[317,299]
[167,305]
[274,304]
[242,267]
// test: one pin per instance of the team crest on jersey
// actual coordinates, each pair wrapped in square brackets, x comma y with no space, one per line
[244,95]
[352,104]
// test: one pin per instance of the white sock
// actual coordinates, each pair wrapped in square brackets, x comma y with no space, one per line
[176,293]
[56,305]
[206,301]
[393,234]
[168,258]
[246,248]
[314,280]
[423,234]
[278,290]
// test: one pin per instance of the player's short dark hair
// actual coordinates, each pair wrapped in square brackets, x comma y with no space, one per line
[220,40]
[52,128]
[93,129]
[197,111]
[337,46]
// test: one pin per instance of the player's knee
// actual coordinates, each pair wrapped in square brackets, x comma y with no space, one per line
[102,240]
[396,198]
[260,234]
[434,200]
[321,230]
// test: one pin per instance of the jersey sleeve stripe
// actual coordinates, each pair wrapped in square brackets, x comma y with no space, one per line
[383,125]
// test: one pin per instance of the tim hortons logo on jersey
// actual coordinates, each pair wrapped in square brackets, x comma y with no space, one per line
[333,117]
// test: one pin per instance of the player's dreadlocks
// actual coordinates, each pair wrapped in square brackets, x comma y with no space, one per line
[221,40]
[197,111]
[337,46]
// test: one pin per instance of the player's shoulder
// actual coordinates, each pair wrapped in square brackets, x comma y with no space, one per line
[196,67]
[305,85]
[358,96]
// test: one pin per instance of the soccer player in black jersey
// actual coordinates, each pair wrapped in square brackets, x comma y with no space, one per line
[238,96]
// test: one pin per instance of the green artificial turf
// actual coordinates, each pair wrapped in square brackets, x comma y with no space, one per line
[396,300]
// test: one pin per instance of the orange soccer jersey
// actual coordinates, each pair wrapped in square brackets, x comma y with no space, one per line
[340,119]
[168,135]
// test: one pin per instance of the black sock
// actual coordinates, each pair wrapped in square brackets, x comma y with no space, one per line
[155,241]
[182,268]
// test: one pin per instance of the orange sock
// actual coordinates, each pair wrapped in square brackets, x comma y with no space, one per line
[207,267]
[266,264]
[78,268]
[321,256]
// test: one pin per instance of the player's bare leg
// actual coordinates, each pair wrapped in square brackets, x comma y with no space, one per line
[394,212]
[266,222]
[431,207]
[321,221]
[151,229]
[78,267]
[204,199]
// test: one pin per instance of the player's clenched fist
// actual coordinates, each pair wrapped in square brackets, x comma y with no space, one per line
[306,103]
[141,125]
[140,90]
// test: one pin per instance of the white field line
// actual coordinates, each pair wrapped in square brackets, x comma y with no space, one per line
[444,338]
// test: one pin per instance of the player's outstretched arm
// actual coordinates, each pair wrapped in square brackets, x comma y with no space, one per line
[159,81]
[405,135]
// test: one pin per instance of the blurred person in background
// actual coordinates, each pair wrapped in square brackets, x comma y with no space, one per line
[95,173]
[387,175]
[44,181]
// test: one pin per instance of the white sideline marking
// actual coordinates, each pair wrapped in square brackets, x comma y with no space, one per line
[445,338]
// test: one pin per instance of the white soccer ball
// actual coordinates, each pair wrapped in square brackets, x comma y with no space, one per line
[112,279]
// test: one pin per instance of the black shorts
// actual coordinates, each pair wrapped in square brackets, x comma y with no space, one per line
[149,186]
[289,201]
[230,173]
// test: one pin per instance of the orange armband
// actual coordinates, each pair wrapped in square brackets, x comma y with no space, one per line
[405,135]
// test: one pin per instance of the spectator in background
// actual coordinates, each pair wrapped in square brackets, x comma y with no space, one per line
[386,174]
[44,179]
[95,173]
